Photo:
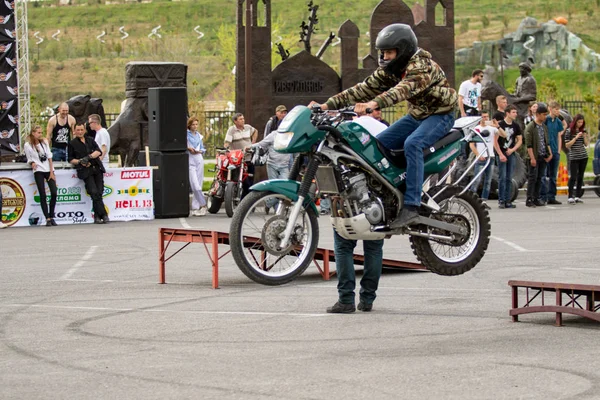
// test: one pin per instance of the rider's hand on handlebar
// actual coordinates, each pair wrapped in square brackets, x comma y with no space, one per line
[361,108]
[322,106]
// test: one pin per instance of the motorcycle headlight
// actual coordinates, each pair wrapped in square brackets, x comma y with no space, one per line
[282,140]
[234,159]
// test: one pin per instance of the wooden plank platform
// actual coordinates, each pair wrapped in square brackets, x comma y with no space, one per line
[574,294]
[168,235]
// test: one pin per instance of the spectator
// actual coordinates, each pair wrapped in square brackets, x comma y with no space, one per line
[85,154]
[344,265]
[59,131]
[482,152]
[577,139]
[530,113]
[469,95]
[539,154]
[39,157]
[501,103]
[101,137]
[196,151]
[378,115]
[273,123]
[240,137]
[555,132]
[278,164]
[509,141]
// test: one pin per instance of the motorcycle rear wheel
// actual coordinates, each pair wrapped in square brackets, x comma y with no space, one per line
[445,258]
[254,236]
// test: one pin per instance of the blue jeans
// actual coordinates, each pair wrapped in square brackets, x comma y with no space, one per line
[59,154]
[548,191]
[344,265]
[414,135]
[505,172]
[325,204]
[276,172]
[487,183]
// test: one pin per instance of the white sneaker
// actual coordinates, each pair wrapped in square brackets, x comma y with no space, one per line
[571,200]
[3,225]
[194,213]
[201,212]
[578,200]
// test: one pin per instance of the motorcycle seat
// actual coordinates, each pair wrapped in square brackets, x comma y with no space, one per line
[398,158]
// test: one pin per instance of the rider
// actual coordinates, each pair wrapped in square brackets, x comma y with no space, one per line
[406,72]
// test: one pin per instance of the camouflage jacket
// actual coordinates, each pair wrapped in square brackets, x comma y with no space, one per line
[424,86]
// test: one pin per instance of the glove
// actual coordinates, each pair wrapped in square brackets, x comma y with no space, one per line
[85,160]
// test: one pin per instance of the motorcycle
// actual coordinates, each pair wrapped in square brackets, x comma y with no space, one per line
[366,183]
[230,172]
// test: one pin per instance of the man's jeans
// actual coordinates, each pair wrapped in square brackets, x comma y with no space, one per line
[415,135]
[344,265]
[548,191]
[276,172]
[534,178]
[487,183]
[505,173]
[59,154]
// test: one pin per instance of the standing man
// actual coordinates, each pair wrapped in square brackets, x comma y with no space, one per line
[59,130]
[239,137]
[482,152]
[501,103]
[278,164]
[508,144]
[102,137]
[406,72]
[273,123]
[85,155]
[556,128]
[469,95]
[538,153]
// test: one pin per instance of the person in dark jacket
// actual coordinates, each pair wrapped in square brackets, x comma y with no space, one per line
[85,154]
[538,155]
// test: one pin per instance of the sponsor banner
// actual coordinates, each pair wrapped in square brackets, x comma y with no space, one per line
[9,110]
[127,196]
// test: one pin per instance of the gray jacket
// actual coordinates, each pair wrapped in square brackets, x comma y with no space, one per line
[274,157]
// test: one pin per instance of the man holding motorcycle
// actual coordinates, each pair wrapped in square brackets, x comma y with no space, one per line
[406,72]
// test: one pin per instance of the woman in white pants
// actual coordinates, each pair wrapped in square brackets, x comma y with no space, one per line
[196,162]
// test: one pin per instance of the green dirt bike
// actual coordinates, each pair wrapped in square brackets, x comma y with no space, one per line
[365,182]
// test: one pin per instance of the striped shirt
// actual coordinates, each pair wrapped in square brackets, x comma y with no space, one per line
[577,151]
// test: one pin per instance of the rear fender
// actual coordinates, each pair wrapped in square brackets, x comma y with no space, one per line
[287,187]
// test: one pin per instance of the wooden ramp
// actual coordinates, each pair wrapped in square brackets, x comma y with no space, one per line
[166,236]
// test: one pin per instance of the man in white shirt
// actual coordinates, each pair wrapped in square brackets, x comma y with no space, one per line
[102,138]
[469,95]
[483,152]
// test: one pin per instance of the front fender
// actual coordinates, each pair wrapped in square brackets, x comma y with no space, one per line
[287,187]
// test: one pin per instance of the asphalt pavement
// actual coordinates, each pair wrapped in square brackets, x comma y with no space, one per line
[82,316]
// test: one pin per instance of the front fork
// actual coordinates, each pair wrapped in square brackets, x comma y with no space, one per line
[303,192]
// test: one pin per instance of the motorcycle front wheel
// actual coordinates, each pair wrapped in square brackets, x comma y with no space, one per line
[213,203]
[232,197]
[457,256]
[255,238]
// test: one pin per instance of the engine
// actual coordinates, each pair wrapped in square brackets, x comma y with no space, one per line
[361,199]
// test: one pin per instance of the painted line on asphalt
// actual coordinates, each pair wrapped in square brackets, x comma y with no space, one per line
[511,244]
[184,223]
[111,309]
[79,263]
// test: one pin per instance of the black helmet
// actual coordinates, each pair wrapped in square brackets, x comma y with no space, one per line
[402,38]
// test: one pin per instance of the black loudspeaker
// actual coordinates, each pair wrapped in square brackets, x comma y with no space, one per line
[167,123]
[171,184]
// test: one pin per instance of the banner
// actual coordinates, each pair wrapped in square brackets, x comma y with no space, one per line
[127,196]
[9,107]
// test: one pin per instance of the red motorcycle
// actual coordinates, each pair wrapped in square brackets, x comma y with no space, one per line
[230,172]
